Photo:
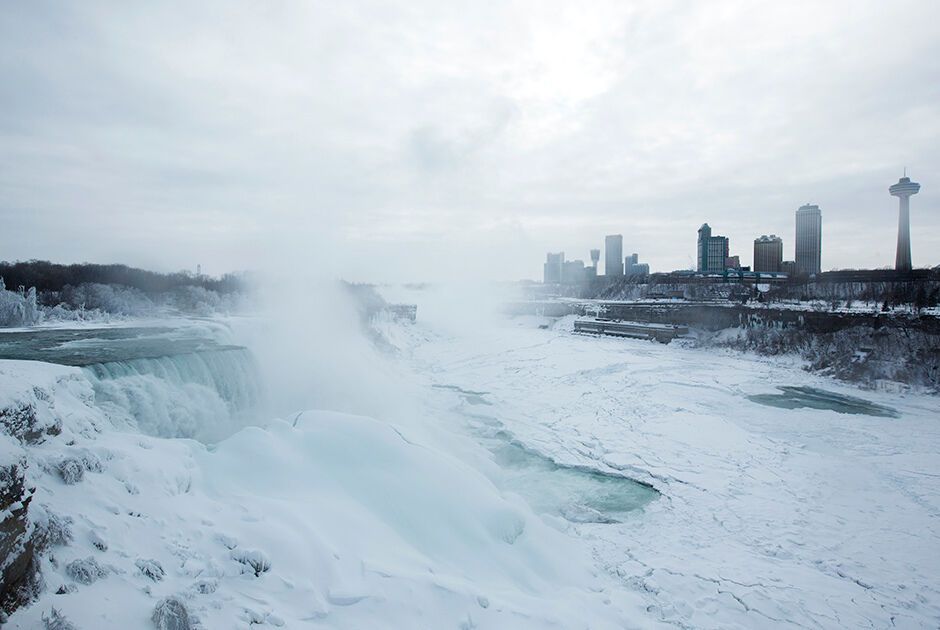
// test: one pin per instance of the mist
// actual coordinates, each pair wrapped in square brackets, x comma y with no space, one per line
[299,325]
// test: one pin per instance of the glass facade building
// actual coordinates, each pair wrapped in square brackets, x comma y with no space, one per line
[808,239]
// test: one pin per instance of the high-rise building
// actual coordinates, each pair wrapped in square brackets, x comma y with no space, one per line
[613,255]
[768,253]
[633,267]
[553,268]
[808,239]
[903,191]
[572,272]
[712,251]
[595,257]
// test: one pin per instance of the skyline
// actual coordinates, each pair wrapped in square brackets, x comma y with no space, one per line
[408,135]
[903,236]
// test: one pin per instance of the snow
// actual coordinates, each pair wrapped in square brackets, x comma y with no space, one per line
[329,520]
[770,516]
[767,517]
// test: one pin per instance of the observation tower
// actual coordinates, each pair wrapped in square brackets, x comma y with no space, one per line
[903,191]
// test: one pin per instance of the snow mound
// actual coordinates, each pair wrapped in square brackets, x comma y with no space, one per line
[329,519]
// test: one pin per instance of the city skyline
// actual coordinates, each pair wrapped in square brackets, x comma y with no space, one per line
[806,246]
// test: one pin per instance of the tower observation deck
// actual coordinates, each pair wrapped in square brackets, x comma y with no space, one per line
[903,191]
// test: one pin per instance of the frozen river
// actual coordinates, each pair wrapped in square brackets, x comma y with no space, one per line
[498,474]
[787,499]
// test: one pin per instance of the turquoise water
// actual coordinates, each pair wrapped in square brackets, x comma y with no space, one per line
[88,346]
[811,397]
[578,494]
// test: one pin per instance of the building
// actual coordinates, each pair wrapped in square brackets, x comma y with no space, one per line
[733,262]
[788,267]
[712,251]
[808,239]
[595,256]
[768,253]
[613,255]
[633,267]
[553,268]
[903,191]
[572,272]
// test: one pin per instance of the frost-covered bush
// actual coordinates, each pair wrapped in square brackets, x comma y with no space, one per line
[172,614]
[71,470]
[85,570]
[51,529]
[255,560]
[57,621]
[206,586]
[23,421]
[151,568]
[97,540]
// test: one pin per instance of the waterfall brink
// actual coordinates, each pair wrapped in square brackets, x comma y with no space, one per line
[204,395]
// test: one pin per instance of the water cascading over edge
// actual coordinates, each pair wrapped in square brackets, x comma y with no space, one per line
[205,395]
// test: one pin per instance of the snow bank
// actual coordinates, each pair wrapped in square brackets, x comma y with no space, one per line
[327,520]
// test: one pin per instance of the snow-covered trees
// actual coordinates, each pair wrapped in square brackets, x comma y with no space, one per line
[18,308]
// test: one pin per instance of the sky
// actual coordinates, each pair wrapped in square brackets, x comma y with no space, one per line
[419,141]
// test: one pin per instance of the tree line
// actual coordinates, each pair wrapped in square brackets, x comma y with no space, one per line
[47,277]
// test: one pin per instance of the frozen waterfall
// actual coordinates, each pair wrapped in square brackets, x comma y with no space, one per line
[203,395]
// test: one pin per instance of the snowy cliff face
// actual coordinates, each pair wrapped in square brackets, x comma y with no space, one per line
[28,419]
[17,573]
[325,519]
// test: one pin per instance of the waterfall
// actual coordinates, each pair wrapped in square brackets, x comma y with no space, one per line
[205,395]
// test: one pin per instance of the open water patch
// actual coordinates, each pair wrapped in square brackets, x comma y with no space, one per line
[792,397]
[579,494]
[470,396]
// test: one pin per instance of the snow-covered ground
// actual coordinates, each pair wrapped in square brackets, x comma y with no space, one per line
[420,517]
[769,517]
[320,520]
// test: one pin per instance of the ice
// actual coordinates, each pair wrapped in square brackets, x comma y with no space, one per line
[341,519]
[518,477]
[769,516]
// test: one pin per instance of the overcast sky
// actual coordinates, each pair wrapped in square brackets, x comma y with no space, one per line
[389,142]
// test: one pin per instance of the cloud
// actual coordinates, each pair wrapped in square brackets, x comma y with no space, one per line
[171,134]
